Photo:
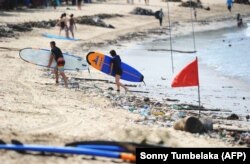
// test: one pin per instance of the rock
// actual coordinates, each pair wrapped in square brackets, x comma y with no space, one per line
[207,124]
[244,98]
[189,124]
[233,117]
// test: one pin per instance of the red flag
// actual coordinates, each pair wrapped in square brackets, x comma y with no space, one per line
[188,76]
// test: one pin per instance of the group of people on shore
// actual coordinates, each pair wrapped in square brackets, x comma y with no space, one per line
[67,25]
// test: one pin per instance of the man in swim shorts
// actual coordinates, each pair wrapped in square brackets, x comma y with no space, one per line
[57,55]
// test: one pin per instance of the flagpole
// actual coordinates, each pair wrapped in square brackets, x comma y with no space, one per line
[170,37]
[199,100]
[199,95]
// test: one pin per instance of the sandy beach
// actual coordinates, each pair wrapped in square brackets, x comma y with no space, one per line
[34,110]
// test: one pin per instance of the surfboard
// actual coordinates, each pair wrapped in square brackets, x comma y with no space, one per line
[52,36]
[68,150]
[41,57]
[102,63]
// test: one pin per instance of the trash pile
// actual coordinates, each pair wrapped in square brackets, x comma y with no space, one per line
[169,112]
[142,11]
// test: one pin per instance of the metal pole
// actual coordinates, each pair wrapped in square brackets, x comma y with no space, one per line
[199,99]
[199,96]
[192,25]
[170,37]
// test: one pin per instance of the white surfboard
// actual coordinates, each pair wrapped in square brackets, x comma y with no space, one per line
[41,57]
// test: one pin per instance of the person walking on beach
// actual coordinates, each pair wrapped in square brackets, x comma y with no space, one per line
[56,54]
[159,15]
[72,25]
[79,4]
[229,5]
[117,70]
[63,24]
[239,20]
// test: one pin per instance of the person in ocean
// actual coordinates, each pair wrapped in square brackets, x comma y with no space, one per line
[229,5]
[72,25]
[56,54]
[63,23]
[116,69]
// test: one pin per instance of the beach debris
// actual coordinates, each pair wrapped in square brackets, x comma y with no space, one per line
[247,2]
[247,117]
[245,137]
[145,111]
[189,124]
[233,117]
[173,100]
[146,99]
[207,124]
[142,11]
[193,4]
[171,0]
[243,98]
[5,31]
[95,20]
[110,88]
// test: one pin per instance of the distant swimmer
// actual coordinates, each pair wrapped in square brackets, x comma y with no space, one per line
[116,68]
[72,25]
[63,24]
[56,54]
[229,5]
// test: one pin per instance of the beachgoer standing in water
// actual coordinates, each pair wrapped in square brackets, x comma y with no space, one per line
[72,25]
[56,54]
[116,69]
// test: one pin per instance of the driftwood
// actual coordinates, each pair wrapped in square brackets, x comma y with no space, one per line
[139,91]
[178,51]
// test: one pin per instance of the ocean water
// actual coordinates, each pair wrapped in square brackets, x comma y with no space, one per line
[227,51]
[224,67]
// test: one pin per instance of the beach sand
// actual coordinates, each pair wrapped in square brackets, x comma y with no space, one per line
[35,111]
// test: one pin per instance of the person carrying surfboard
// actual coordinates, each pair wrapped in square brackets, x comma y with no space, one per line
[56,54]
[117,70]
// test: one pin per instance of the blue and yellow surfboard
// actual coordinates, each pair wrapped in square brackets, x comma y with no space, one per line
[102,63]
